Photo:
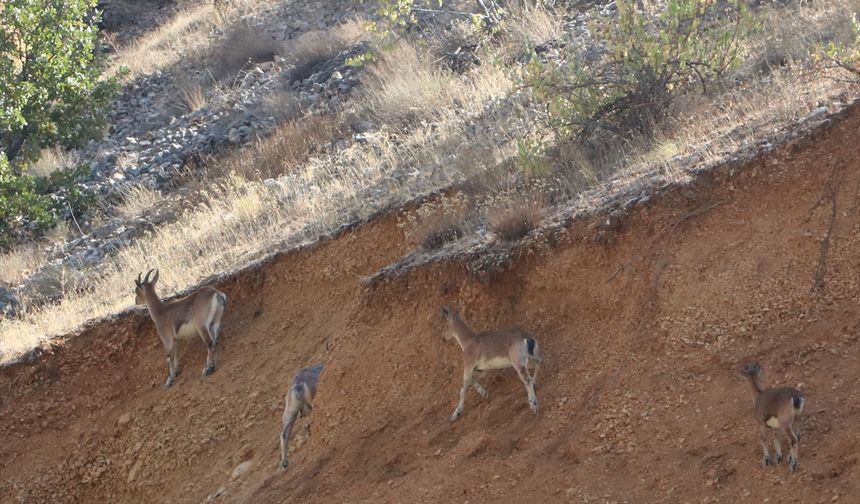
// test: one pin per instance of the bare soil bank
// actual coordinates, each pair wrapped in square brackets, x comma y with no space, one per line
[641,400]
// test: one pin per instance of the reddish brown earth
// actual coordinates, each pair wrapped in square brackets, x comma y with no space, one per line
[641,399]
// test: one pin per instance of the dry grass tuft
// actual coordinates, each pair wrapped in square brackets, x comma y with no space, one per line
[192,96]
[244,44]
[136,201]
[52,159]
[513,215]
[285,150]
[405,88]
[18,263]
[437,222]
[529,26]
[312,48]
[183,37]
[791,32]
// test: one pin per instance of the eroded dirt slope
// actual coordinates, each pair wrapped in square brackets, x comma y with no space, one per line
[641,400]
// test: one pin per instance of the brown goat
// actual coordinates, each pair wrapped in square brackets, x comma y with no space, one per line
[490,350]
[197,314]
[776,408]
[299,403]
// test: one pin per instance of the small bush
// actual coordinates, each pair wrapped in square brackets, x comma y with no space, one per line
[648,60]
[51,88]
[31,205]
[513,215]
[437,222]
[843,55]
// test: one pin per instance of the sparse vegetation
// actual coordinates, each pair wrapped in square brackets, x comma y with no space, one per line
[452,98]
[245,44]
[649,60]
[17,264]
[136,200]
[437,222]
[314,47]
[512,215]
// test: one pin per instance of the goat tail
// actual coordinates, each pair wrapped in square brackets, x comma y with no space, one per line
[798,401]
[532,347]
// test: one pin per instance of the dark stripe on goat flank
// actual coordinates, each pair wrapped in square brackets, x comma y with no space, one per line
[797,401]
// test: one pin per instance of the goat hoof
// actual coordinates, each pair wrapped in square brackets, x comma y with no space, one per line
[765,461]
[534,406]
[285,463]
[792,464]
[779,459]
[208,370]
[168,384]
[455,416]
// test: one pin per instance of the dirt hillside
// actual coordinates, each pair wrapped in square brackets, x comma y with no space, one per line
[643,330]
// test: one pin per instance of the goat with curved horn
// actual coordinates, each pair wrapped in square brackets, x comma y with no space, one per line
[197,314]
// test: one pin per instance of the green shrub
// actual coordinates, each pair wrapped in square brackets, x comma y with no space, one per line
[50,91]
[845,56]
[31,205]
[648,59]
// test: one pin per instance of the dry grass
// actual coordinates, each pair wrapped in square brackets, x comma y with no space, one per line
[529,25]
[790,32]
[437,222]
[286,150]
[404,88]
[52,159]
[311,48]
[17,264]
[192,96]
[513,215]
[244,44]
[240,220]
[136,200]
[185,36]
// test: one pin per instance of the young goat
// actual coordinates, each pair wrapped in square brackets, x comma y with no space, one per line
[199,313]
[775,408]
[492,350]
[300,403]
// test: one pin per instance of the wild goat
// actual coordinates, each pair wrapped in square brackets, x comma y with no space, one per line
[775,408]
[300,403]
[489,350]
[198,313]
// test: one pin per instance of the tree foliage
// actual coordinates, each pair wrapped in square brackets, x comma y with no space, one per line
[647,59]
[50,90]
[51,93]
